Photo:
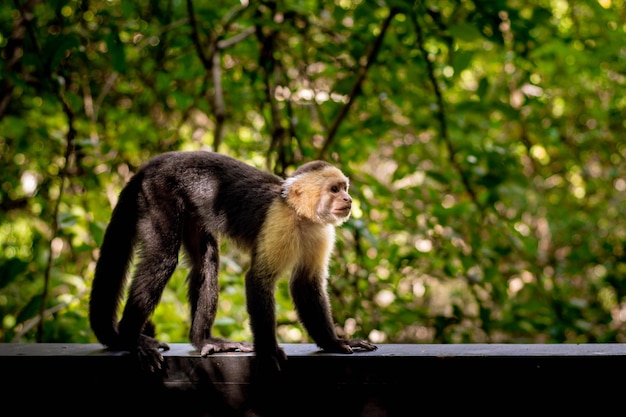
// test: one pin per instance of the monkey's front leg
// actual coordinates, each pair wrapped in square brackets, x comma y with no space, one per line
[262,311]
[311,301]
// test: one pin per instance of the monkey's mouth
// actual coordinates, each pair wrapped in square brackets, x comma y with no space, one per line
[343,211]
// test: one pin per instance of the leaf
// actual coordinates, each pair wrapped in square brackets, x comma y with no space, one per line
[59,48]
[116,51]
[465,31]
[96,229]
[67,220]
[461,60]
[31,309]
[11,269]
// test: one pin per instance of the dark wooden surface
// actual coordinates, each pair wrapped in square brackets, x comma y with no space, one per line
[395,380]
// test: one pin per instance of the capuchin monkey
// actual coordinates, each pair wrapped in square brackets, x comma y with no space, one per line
[191,199]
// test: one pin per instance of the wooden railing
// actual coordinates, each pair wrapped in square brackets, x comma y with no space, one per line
[395,380]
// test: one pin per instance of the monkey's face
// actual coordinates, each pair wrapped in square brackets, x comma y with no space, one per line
[319,195]
[335,204]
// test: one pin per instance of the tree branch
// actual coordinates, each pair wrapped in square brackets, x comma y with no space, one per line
[23,24]
[441,113]
[35,321]
[69,152]
[223,44]
[206,59]
[212,64]
[218,100]
[356,88]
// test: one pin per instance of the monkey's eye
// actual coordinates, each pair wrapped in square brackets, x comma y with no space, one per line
[334,189]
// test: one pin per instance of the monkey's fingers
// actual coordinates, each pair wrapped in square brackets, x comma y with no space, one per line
[161,346]
[362,344]
[147,342]
[218,345]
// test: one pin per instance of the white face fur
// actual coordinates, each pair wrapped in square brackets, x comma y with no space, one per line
[335,203]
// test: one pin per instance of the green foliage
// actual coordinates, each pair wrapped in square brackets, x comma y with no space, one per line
[484,141]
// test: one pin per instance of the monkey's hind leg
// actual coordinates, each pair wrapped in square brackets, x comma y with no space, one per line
[158,260]
[135,329]
[203,294]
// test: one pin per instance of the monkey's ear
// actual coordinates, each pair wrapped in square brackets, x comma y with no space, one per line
[302,194]
[292,189]
[295,190]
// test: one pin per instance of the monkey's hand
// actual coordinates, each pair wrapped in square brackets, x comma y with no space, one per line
[216,345]
[349,345]
[148,353]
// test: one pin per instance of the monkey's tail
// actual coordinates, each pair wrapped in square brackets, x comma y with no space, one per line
[116,253]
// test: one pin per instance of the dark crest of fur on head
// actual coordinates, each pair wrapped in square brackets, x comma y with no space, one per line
[311,166]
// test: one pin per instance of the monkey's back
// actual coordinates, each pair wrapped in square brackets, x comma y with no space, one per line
[223,194]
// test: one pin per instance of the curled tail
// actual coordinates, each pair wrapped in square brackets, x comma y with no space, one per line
[116,253]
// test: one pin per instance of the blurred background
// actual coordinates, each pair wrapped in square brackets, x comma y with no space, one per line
[485,142]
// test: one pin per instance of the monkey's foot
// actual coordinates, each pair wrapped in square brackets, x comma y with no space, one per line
[148,352]
[269,363]
[215,345]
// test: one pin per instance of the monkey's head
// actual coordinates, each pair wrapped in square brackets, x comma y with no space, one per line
[319,192]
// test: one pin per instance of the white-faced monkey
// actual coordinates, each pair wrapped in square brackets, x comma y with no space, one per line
[190,199]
